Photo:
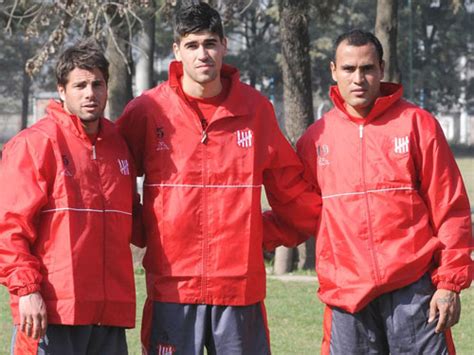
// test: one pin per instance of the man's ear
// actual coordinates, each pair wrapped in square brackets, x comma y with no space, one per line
[224,42]
[177,55]
[333,71]
[62,92]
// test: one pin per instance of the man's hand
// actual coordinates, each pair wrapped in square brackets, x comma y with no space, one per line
[448,305]
[33,320]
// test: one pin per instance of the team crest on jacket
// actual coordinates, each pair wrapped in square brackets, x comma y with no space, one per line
[160,134]
[322,150]
[244,138]
[123,165]
[401,145]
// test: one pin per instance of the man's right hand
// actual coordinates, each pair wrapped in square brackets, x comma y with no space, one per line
[33,319]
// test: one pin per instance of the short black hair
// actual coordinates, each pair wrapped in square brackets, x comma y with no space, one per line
[195,18]
[85,54]
[359,38]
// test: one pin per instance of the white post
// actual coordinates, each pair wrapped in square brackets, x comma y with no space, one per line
[463,124]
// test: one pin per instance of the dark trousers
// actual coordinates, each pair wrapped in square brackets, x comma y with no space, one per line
[72,340]
[393,323]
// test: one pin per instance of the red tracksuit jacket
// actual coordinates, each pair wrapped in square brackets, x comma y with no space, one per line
[394,203]
[202,191]
[66,221]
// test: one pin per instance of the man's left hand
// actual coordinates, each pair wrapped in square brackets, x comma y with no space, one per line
[448,305]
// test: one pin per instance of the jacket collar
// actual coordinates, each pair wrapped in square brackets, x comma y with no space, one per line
[232,106]
[56,111]
[390,93]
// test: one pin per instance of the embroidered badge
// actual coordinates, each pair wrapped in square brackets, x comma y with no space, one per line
[401,145]
[160,134]
[165,349]
[123,165]
[244,138]
[322,152]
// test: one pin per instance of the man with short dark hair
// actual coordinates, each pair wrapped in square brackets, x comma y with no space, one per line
[394,235]
[67,187]
[206,144]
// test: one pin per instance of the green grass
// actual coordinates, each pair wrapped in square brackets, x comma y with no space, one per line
[133,335]
[5,321]
[466,165]
[294,317]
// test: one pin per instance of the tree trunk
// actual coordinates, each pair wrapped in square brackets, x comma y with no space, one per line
[146,43]
[306,259]
[25,99]
[386,31]
[120,78]
[283,260]
[297,90]
[296,67]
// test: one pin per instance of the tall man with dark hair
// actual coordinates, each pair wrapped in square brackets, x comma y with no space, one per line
[66,220]
[394,235]
[206,144]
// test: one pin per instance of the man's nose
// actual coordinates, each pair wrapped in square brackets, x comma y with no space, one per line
[359,76]
[202,53]
[89,91]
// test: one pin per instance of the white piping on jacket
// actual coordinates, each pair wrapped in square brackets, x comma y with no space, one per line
[371,191]
[204,186]
[84,210]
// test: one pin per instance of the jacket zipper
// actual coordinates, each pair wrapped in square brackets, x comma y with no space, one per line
[205,224]
[204,131]
[369,221]
[94,158]
[203,126]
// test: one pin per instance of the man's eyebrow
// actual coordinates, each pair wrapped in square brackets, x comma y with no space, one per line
[208,40]
[364,67]
[367,67]
[79,82]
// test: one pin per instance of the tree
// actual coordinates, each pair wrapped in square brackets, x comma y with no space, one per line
[296,67]
[16,82]
[297,92]
[254,31]
[437,27]
[112,21]
[118,53]
[144,77]
[19,41]
[386,24]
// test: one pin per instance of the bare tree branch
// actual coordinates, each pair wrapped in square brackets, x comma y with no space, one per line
[246,7]
[56,38]
[8,27]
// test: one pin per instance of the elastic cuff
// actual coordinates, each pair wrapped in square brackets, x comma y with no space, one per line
[448,286]
[27,290]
